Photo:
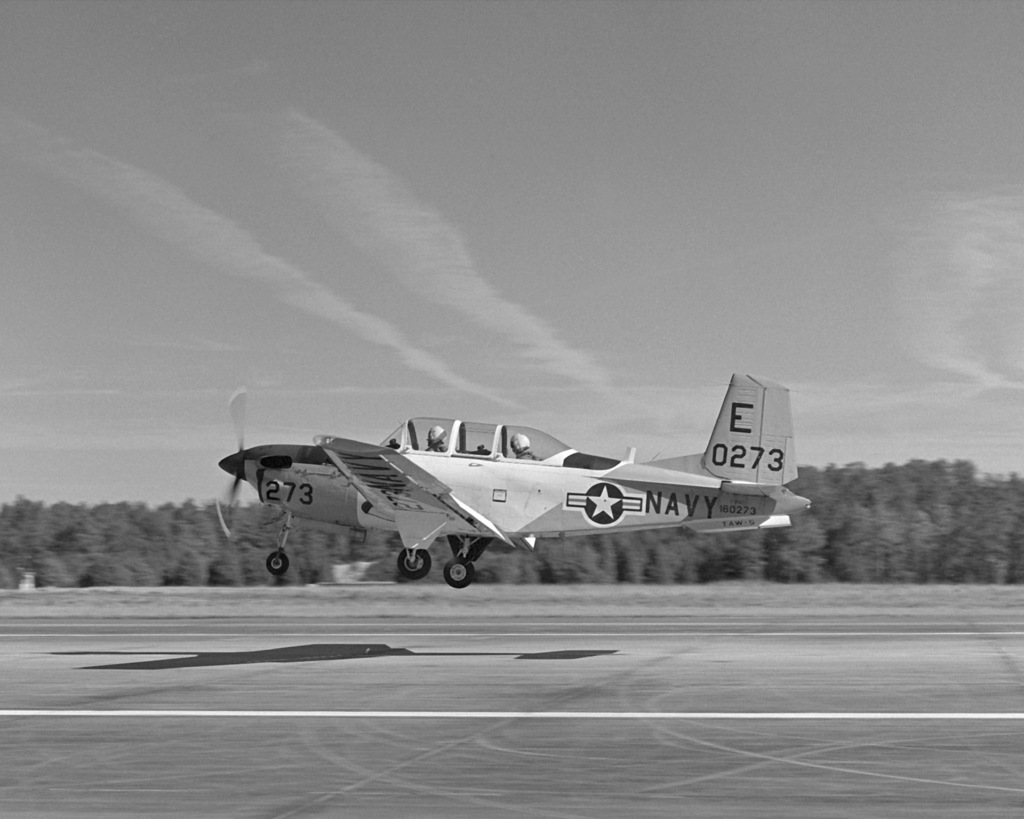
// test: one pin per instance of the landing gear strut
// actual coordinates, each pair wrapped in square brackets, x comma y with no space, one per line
[277,562]
[459,572]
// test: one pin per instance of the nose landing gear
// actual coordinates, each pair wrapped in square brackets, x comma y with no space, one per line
[277,562]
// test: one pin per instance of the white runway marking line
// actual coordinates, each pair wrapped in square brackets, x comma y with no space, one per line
[488,634]
[878,716]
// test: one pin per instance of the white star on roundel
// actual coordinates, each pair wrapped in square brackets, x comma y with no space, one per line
[603,504]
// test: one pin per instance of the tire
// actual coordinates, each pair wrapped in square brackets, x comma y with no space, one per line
[416,570]
[277,563]
[458,574]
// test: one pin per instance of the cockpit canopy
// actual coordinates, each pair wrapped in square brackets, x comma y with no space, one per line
[470,439]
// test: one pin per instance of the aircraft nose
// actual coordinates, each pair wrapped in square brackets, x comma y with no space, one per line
[233,463]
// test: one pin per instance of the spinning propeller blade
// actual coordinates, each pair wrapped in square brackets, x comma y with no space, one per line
[234,464]
[223,523]
[236,406]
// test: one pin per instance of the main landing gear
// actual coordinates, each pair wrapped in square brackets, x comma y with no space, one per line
[277,562]
[414,564]
[459,572]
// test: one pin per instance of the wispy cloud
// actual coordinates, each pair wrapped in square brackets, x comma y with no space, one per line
[380,215]
[193,345]
[166,211]
[961,287]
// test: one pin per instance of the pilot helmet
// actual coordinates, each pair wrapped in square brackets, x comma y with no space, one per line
[436,433]
[520,443]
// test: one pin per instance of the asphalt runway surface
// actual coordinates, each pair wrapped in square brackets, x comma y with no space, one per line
[716,716]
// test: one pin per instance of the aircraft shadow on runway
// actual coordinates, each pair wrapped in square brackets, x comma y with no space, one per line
[306,654]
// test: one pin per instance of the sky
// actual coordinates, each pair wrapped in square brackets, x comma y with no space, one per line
[579,216]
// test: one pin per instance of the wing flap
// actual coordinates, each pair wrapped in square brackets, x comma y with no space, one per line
[377,478]
[480,519]
[422,504]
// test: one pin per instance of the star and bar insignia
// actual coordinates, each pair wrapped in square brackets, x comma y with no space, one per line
[604,504]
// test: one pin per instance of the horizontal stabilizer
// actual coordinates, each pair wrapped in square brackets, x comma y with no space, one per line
[713,525]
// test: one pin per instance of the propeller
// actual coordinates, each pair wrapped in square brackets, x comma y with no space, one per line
[234,464]
[236,406]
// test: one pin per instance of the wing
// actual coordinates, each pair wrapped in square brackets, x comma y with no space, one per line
[422,505]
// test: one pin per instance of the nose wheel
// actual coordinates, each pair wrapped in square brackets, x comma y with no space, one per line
[459,573]
[277,563]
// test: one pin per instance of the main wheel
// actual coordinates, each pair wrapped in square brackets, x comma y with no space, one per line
[458,573]
[277,563]
[414,565]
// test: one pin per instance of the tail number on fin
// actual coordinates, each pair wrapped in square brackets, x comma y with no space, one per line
[738,455]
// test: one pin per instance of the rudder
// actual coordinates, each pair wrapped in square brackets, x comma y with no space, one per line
[753,437]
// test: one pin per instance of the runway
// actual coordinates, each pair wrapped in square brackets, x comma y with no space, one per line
[461,716]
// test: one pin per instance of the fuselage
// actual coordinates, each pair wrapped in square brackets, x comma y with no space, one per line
[523,498]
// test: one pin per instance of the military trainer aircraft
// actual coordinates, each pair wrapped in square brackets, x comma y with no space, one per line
[476,484]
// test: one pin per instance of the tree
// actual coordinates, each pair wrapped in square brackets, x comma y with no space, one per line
[568,561]
[794,555]
[920,522]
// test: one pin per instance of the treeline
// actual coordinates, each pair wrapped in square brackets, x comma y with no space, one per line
[922,522]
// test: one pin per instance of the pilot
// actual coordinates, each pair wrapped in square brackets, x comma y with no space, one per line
[521,447]
[435,439]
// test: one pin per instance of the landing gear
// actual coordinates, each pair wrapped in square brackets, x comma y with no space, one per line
[277,562]
[459,572]
[414,564]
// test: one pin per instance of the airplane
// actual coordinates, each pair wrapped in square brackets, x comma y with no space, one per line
[477,484]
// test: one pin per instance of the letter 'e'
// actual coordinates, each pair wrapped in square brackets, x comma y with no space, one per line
[736,416]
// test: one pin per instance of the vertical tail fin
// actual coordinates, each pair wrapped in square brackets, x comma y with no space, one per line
[753,437]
